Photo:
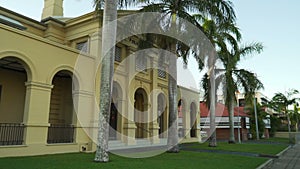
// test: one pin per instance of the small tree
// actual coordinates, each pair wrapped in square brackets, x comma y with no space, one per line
[281,102]
[295,117]
[275,124]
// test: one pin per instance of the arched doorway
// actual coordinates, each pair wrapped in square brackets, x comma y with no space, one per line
[114,111]
[61,116]
[13,76]
[193,124]
[180,118]
[141,113]
[161,111]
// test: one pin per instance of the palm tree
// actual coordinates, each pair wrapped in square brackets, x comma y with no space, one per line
[281,102]
[181,8]
[235,78]
[230,77]
[109,35]
[108,54]
[219,33]
[171,9]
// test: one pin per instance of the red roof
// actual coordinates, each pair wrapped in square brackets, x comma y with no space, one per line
[221,111]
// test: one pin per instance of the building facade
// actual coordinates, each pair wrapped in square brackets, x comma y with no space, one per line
[240,119]
[50,85]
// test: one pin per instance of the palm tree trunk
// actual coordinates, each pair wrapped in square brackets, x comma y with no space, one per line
[289,126]
[231,121]
[107,67]
[172,90]
[212,107]
[289,122]
[297,124]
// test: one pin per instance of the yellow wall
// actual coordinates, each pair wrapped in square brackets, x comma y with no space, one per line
[189,97]
[12,96]
[42,60]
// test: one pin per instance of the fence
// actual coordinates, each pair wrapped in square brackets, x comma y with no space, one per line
[11,134]
[60,133]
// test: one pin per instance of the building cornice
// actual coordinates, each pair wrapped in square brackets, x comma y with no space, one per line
[43,40]
[22,18]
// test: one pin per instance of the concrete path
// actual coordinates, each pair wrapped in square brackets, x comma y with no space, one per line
[290,159]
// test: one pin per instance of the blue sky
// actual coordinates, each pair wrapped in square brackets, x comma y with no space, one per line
[274,23]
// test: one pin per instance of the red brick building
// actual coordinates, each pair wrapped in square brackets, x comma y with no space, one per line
[241,121]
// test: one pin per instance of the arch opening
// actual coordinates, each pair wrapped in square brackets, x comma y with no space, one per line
[193,124]
[181,108]
[161,115]
[116,107]
[61,114]
[141,113]
[14,75]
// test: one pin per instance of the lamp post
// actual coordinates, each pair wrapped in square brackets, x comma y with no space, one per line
[238,106]
[255,113]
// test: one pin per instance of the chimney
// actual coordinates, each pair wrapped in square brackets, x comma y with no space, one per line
[52,8]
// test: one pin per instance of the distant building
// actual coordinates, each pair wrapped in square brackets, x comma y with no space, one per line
[260,99]
[241,121]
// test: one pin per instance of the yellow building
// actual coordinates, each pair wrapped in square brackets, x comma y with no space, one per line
[47,103]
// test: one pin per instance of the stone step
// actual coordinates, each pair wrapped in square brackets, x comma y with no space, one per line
[115,144]
[142,142]
[118,144]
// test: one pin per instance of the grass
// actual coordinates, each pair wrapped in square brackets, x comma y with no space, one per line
[275,140]
[182,160]
[258,148]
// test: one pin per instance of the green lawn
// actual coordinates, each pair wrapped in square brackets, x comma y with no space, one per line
[276,140]
[258,148]
[182,160]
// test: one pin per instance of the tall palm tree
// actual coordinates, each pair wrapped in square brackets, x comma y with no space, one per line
[231,78]
[181,8]
[235,78]
[281,102]
[171,9]
[107,68]
[220,33]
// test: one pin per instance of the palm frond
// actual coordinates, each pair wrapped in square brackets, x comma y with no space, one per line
[251,48]
[249,83]
[206,87]
[128,3]
[98,4]
[157,7]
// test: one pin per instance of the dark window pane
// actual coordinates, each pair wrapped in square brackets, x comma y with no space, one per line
[161,73]
[118,56]
[82,46]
